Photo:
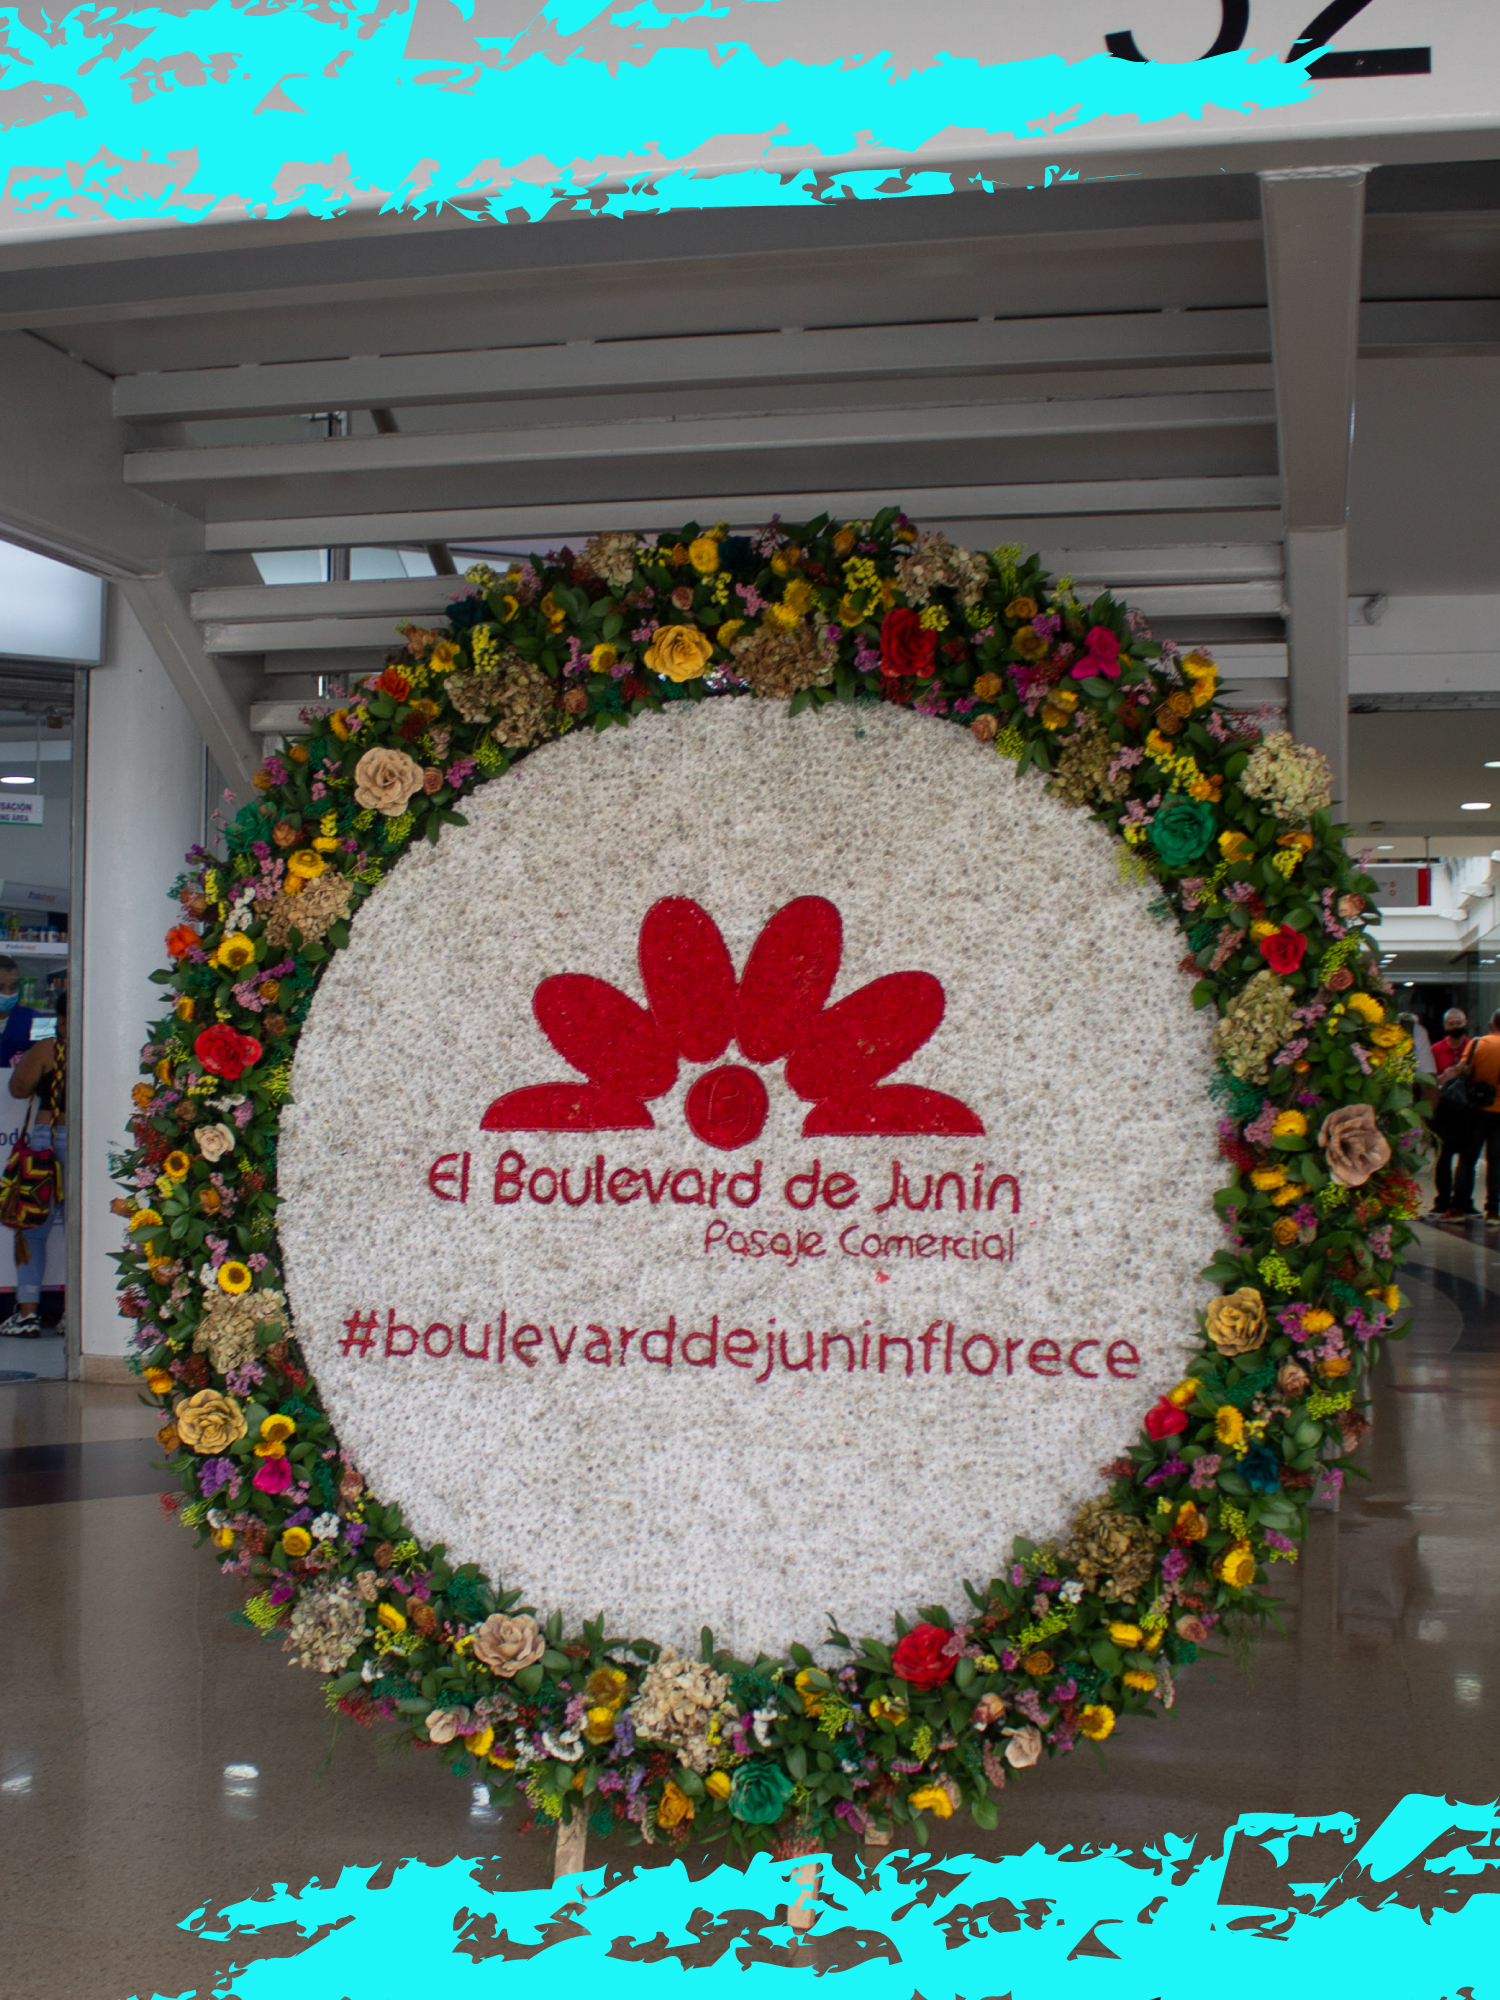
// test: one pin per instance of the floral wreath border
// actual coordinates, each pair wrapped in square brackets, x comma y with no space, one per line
[1319,1131]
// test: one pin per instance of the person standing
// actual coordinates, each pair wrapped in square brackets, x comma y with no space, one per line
[1448,1133]
[1482,1062]
[42,1073]
[15,1020]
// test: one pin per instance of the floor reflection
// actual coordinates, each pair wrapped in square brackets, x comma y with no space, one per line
[154,1755]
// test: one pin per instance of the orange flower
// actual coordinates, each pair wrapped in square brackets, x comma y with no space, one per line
[180,940]
[393,682]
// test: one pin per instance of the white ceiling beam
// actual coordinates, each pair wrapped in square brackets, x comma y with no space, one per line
[60,487]
[801,430]
[1020,501]
[394,596]
[407,381]
[165,619]
[1314,237]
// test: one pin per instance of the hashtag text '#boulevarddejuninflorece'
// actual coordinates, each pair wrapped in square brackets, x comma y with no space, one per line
[941,1349]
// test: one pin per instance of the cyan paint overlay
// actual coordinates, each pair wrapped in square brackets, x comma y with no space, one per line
[200,109]
[1408,1910]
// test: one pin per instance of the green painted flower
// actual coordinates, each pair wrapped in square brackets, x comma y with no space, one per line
[759,1793]
[1182,830]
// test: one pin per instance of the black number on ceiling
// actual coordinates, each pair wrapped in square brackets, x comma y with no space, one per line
[1234,24]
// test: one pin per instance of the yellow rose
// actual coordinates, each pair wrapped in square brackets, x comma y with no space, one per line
[703,554]
[1036,1664]
[235,1277]
[843,541]
[1289,1125]
[1237,1323]
[1191,1526]
[679,653]
[1229,1425]
[1128,1636]
[296,1542]
[813,1688]
[933,1799]
[1237,1566]
[603,658]
[1366,1006]
[1096,1721]
[988,687]
[718,1784]
[1235,847]
[1184,1393]
[234,952]
[209,1423]
[1337,1364]
[1203,676]
[725,633]
[675,1805]
[1139,1679]
[478,1743]
[388,1616]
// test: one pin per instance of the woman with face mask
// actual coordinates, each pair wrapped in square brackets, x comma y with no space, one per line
[42,1073]
[15,1020]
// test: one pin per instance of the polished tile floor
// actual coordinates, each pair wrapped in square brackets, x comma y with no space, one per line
[154,1756]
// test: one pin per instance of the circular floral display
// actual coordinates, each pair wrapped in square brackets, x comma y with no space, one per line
[743,1271]
[688,1018]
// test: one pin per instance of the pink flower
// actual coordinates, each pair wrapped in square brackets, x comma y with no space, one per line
[1101,655]
[272,1475]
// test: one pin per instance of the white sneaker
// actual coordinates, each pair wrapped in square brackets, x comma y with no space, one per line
[23,1324]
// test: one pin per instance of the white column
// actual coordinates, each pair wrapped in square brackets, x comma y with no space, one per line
[145,809]
[1314,231]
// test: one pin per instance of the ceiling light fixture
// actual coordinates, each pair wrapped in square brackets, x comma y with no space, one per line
[1493,764]
[17,778]
[1475,806]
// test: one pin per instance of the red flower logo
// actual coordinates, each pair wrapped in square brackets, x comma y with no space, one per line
[775,1011]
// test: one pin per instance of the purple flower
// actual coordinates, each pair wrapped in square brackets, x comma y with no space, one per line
[1205,1471]
[1258,1131]
[1010,1660]
[282,1590]
[1173,1563]
[354,1533]
[301,1518]
[1168,1469]
[215,1474]
[1066,1690]
[1276,1541]
[1017,1575]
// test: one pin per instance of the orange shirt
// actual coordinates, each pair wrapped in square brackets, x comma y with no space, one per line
[1484,1066]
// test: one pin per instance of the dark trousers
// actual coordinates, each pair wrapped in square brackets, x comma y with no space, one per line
[1484,1139]
[1449,1155]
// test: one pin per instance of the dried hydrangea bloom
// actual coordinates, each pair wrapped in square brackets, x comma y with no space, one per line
[327,1625]
[527,706]
[1111,1551]
[612,558]
[1082,772]
[226,1332]
[781,664]
[677,1700]
[935,563]
[1292,777]
[321,904]
[1259,1020]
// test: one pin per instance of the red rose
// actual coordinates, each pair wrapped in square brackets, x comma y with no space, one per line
[906,647]
[227,1053]
[1165,1421]
[394,682]
[1284,950]
[923,1656]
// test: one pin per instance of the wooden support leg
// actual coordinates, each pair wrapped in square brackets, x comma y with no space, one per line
[572,1839]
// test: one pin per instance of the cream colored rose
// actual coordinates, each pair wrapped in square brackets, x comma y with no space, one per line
[214,1141]
[208,1422]
[681,652]
[1353,1144]
[1237,1323]
[384,780]
[443,1724]
[1024,1747]
[507,1645]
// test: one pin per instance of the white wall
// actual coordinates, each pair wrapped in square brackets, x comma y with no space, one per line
[145,809]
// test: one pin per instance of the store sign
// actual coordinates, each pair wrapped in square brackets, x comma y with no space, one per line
[756,1190]
[21,812]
